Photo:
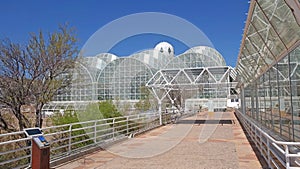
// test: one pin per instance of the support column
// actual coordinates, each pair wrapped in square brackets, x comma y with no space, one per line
[242,99]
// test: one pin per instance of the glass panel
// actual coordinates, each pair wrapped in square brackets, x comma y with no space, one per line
[274,99]
[268,104]
[245,72]
[282,18]
[295,84]
[248,93]
[261,93]
[285,99]
[265,29]
[259,34]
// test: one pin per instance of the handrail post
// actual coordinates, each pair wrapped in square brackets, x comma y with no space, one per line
[70,139]
[287,158]
[95,132]
[160,113]
[145,126]
[113,126]
[255,134]
[147,123]
[289,127]
[127,125]
[268,151]
[260,142]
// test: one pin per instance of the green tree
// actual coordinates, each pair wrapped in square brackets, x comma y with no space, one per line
[91,112]
[66,118]
[32,73]
[108,109]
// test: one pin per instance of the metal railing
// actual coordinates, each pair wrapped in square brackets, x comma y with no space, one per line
[69,139]
[277,154]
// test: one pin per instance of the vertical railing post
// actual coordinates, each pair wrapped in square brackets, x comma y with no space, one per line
[139,124]
[260,142]
[127,125]
[159,112]
[95,132]
[289,127]
[144,123]
[268,151]
[70,139]
[256,140]
[113,126]
[255,134]
[287,158]
[147,122]
[165,117]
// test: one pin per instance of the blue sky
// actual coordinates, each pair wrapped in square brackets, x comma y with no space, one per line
[221,21]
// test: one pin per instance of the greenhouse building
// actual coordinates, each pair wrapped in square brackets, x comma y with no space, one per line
[197,78]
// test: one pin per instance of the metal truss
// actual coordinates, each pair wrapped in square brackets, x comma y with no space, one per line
[191,78]
[198,80]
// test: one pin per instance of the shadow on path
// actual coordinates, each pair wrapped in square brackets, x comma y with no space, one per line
[205,122]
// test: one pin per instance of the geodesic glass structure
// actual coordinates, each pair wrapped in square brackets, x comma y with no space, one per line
[108,77]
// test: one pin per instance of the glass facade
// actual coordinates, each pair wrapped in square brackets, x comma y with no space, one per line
[108,77]
[268,70]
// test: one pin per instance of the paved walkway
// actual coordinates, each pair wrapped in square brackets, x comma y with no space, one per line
[206,141]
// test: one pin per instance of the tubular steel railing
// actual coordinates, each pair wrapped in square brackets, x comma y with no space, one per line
[69,139]
[277,154]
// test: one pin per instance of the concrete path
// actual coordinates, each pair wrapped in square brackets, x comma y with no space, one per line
[206,141]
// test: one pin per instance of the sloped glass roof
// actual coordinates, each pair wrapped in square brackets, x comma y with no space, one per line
[271,31]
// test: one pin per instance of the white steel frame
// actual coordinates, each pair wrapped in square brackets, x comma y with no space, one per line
[166,80]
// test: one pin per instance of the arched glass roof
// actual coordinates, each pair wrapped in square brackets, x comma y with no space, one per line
[187,60]
[212,53]
[197,57]
[123,79]
[154,58]
[82,84]
[106,57]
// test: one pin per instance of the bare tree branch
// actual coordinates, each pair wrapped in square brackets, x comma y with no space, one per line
[31,74]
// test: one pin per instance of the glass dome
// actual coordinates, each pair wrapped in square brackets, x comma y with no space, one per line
[109,77]
[212,54]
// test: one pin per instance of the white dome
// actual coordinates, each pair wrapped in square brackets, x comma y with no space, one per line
[165,47]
